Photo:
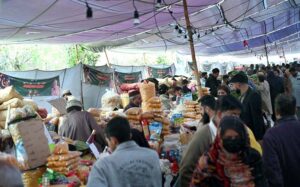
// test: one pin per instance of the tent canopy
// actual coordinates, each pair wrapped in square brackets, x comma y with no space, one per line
[222,25]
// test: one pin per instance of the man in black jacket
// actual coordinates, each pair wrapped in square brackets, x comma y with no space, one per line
[281,145]
[213,83]
[276,87]
[252,105]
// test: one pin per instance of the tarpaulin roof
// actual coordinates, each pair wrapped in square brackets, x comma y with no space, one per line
[224,28]
[223,25]
[64,21]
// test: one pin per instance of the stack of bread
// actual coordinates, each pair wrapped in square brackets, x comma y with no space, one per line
[134,116]
[147,90]
[191,111]
[152,107]
[10,98]
[62,160]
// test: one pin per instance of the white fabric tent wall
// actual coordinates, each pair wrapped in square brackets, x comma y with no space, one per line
[72,80]
[69,79]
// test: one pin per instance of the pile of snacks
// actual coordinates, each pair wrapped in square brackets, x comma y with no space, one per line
[152,105]
[134,116]
[62,160]
[192,111]
[157,117]
[10,98]
[147,90]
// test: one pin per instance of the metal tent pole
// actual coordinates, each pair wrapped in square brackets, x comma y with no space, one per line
[191,41]
[266,51]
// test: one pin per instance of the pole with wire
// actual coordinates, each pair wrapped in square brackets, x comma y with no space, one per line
[191,41]
[266,51]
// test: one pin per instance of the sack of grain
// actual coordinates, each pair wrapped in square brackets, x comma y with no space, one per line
[4,113]
[13,103]
[2,124]
[9,93]
[31,103]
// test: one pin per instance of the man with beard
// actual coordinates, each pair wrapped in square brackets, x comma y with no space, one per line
[204,137]
[135,100]
[200,142]
[295,81]
[252,105]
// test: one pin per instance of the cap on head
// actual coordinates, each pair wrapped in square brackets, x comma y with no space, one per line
[240,77]
[66,92]
[72,101]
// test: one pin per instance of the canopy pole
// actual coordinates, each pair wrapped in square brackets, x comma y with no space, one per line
[191,41]
[285,61]
[266,51]
[107,60]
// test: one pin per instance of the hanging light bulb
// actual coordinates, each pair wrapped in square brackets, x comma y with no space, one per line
[89,11]
[136,18]
[185,36]
[213,32]
[176,28]
[179,33]
[158,4]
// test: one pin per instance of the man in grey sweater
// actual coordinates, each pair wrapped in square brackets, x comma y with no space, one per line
[129,165]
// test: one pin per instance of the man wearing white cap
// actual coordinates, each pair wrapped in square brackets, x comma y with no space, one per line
[78,124]
[66,94]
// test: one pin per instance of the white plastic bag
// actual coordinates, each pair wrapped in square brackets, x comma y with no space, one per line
[110,100]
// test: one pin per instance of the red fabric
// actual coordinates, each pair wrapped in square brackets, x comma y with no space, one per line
[129,87]
[42,112]
[214,154]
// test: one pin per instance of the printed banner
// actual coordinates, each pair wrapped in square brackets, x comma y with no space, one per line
[159,72]
[32,87]
[128,77]
[95,77]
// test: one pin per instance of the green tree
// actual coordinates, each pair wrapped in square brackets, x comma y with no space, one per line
[45,57]
[79,53]
[162,60]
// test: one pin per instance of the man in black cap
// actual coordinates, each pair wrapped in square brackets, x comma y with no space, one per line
[213,83]
[252,105]
[135,100]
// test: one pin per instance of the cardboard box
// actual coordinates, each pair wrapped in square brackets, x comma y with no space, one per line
[34,140]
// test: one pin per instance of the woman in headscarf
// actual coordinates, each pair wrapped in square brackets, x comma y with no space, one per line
[231,162]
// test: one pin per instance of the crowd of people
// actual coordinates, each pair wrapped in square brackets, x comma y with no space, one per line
[248,134]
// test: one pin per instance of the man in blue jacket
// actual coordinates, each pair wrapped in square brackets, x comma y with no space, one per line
[281,145]
[128,165]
